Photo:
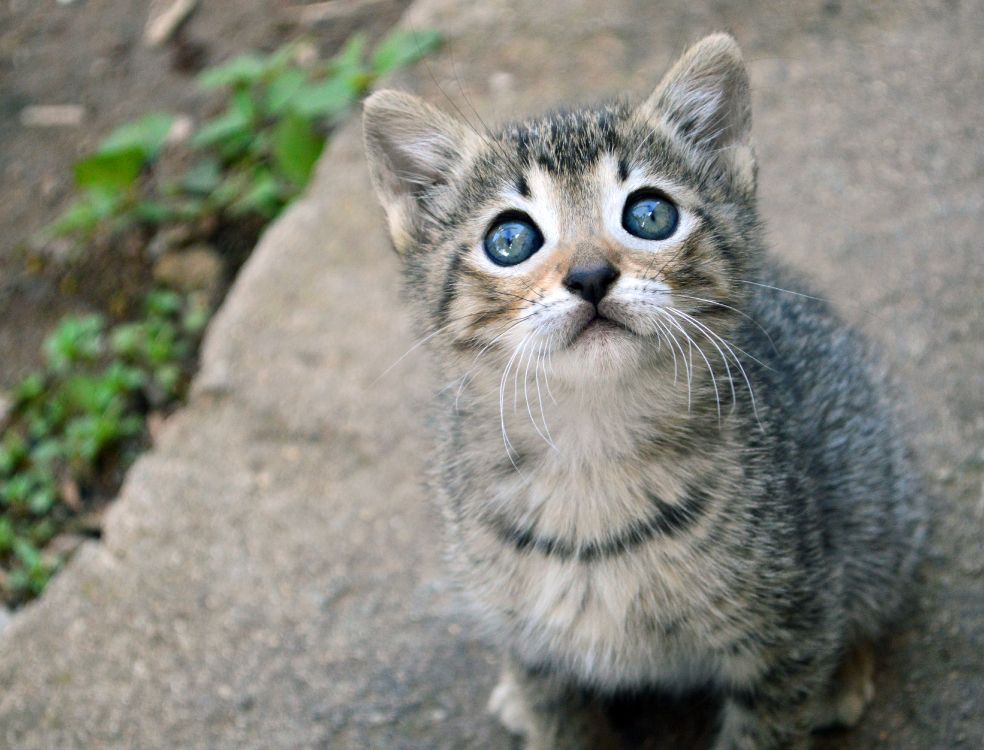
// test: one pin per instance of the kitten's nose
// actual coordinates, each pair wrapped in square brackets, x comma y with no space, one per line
[591,282]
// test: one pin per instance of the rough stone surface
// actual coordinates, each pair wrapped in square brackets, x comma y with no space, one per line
[271,576]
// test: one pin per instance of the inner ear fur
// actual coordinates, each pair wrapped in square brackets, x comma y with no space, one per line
[705,100]
[412,148]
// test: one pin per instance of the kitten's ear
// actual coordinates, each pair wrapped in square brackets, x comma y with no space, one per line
[411,147]
[706,96]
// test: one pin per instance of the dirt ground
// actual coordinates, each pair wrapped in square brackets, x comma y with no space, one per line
[91,53]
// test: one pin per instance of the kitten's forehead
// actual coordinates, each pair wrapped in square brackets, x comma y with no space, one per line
[563,168]
[568,143]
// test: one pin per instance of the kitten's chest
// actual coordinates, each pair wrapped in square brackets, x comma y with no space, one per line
[581,578]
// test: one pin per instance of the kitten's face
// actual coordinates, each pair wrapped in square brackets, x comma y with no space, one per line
[597,236]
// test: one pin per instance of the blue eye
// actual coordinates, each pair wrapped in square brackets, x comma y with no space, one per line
[512,239]
[649,216]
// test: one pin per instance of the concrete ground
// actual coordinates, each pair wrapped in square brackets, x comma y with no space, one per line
[271,576]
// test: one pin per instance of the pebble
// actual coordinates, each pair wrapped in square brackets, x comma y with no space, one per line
[181,130]
[164,19]
[197,268]
[52,115]
[6,408]
[331,12]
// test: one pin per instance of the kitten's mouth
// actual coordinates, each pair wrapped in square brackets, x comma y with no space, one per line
[599,325]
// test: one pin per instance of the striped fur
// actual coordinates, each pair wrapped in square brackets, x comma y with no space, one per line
[708,489]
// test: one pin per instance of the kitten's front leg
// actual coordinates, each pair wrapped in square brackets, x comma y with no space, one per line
[551,713]
[779,711]
[795,697]
[747,728]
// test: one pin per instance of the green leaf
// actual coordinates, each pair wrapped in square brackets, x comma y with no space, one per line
[112,172]
[264,196]
[26,552]
[146,135]
[349,59]
[124,379]
[89,435]
[81,217]
[34,573]
[402,47]
[153,212]
[168,377]
[242,69]
[296,148]
[105,203]
[162,303]
[230,124]
[195,319]
[76,339]
[88,394]
[243,104]
[325,99]
[203,177]
[283,89]
[29,388]
[230,189]
[13,450]
[42,500]
[46,452]
[7,536]
[16,490]
[128,339]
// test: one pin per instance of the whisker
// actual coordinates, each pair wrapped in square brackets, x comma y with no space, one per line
[780,289]
[526,395]
[733,309]
[541,362]
[724,359]
[424,340]
[710,370]
[546,379]
[661,332]
[516,375]
[502,414]
[730,347]
[471,368]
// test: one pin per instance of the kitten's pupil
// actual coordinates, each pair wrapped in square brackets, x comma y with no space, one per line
[649,216]
[512,239]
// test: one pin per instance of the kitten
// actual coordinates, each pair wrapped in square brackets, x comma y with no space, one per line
[657,466]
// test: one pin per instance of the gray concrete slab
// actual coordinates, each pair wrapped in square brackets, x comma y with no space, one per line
[271,577]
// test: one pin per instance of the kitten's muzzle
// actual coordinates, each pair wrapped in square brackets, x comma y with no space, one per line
[591,282]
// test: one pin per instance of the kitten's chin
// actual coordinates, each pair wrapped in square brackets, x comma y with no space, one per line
[603,350]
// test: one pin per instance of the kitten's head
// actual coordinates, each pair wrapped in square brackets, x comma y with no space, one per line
[594,234]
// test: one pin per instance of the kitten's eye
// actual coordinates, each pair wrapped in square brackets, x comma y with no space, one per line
[512,239]
[650,216]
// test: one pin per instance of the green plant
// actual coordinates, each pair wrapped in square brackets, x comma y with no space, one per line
[253,158]
[262,149]
[85,409]
[83,416]
[108,180]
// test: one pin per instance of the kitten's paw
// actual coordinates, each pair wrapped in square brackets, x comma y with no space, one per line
[509,706]
[851,692]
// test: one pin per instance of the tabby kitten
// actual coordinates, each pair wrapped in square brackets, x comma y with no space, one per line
[657,468]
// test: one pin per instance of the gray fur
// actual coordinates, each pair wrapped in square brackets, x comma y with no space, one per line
[648,507]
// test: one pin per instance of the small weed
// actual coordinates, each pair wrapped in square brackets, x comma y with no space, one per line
[84,412]
[109,179]
[253,158]
[83,418]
